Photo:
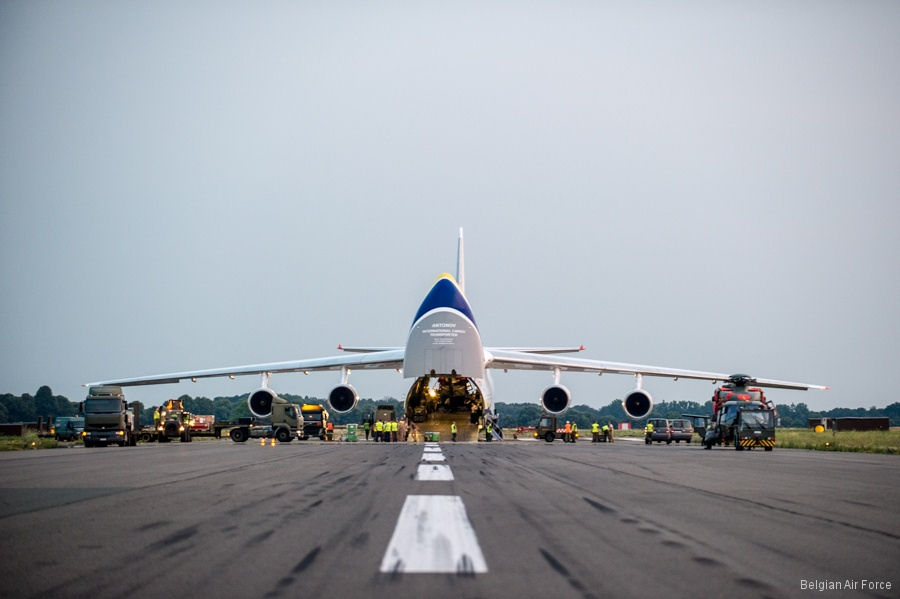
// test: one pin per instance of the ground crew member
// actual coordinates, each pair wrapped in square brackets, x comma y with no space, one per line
[605,433]
[366,428]
[574,431]
[489,431]
[329,431]
[453,431]
[379,427]
[156,418]
[595,432]
[394,428]
[567,436]
[648,432]
[609,432]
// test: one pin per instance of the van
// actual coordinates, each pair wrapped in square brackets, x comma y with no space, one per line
[682,430]
[662,431]
[67,428]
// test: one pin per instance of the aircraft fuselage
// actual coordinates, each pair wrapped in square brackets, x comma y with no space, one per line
[445,355]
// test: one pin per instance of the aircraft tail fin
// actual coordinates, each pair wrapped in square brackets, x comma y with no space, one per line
[460,264]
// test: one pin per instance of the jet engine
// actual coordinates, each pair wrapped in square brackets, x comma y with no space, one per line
[638,404]
[555,399]
[343,398]
[261,401]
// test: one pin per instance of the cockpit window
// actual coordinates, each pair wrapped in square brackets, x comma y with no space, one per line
[761,419]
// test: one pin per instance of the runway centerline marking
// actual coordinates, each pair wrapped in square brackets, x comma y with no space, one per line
[434,472]
[433,535]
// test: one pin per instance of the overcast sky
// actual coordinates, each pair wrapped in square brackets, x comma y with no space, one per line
[704,185]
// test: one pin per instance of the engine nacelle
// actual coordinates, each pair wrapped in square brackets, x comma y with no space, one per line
[343,398]
[261,401]
[555,399]
[638,404]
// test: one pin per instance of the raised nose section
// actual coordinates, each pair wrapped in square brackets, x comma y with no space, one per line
[444,339]
[445,293]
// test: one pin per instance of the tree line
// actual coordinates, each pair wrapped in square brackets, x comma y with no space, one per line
[789,415]
[43,404]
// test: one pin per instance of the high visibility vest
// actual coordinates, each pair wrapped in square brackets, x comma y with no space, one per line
[568,428]
[379,426]
[574,428]
[649,428]
[453,427]
[605,427]
[489,429]
[393,426]
[366,425]
[596,428]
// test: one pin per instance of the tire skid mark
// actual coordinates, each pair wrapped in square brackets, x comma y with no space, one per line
[152,525]
[173,539]
[564,572]
[738,499]
[599,506]
[261,537]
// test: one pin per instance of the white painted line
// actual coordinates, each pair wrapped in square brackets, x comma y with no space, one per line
[433,535]
[432,450]
[433,457]
[434,472]
[432,445]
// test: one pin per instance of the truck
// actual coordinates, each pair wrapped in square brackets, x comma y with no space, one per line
[108,419]
[285,424]
[386,413]
[315,421]
[547,429]
[174,422]
[743,424]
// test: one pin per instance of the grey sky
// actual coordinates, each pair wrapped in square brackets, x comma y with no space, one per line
[711,186]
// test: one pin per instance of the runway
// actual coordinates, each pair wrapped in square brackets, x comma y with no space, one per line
[322,520]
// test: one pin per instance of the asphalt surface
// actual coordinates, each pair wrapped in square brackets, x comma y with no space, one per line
[315,519]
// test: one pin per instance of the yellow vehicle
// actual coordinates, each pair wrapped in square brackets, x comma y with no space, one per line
[174,422]
[315,421]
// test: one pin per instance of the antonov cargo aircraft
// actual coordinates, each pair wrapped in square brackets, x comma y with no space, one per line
[449,365]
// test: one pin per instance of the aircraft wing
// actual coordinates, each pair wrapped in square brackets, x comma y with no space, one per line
[541,350]
[518,360]
[377,360]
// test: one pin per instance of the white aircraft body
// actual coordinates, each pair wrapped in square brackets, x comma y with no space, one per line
[450,365]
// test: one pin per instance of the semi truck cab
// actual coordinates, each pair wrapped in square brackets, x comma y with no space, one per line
[107,418]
